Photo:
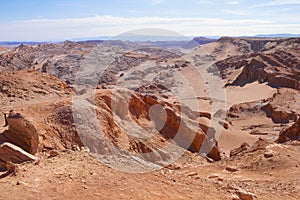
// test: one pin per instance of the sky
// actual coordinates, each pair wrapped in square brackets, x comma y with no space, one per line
[57,20]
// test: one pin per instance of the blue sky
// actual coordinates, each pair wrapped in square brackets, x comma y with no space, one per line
[65,19]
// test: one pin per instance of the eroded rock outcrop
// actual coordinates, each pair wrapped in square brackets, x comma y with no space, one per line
[282,107]
[143,124]
[292,133]
[278,116]
[266,70]
[264,60]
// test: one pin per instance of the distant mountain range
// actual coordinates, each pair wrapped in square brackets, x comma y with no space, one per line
[158,40]
[172,38]
[16,43]
[280,35]
[166,42]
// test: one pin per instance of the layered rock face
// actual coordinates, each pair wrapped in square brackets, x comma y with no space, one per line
[142,124]
[275,62]
[268,68]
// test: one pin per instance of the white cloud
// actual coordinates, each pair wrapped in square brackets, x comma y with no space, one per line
[233,2]
[278,3]
[236,12]
[57,29]
[215,2]
[157,2]
[209,2]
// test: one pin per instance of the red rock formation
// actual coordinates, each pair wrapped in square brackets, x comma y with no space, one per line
[292,133]
[282,107]
[263,62]
[278,116]
[171,125]
[21,132]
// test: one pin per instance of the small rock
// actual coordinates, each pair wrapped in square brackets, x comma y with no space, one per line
[174,166]
[85,187]
[21,183]
[209,159]
[85,149]
[213,176]
[53,153]
[244,195]
[11,168]
[224,124]
[231,169]
[75,148]
[268,154]
[220,179]
[192,174]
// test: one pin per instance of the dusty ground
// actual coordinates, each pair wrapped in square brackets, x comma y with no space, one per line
[77,175]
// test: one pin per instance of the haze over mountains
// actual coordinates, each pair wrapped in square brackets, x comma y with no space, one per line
[146,38]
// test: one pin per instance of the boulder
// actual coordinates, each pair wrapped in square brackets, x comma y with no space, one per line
[14,154]
[215,153]
[278,116]
[21,132]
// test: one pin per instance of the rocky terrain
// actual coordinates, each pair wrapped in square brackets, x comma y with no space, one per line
[274,62]
[126,120]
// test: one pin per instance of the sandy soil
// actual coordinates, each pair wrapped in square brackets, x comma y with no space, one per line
[248,93]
